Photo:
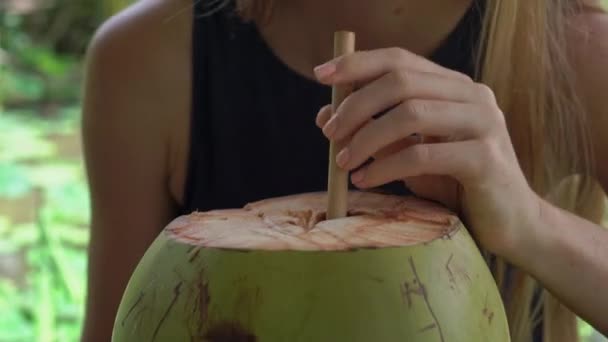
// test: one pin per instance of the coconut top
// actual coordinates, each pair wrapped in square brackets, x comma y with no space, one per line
[298,223]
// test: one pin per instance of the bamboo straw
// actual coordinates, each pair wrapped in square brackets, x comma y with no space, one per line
[337,183]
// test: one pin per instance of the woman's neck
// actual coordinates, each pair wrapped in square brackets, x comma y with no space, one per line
[300,31]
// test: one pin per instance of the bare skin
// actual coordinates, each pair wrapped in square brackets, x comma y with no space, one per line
[136,124]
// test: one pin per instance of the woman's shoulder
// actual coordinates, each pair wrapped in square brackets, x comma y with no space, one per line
[149,39]
[138,83]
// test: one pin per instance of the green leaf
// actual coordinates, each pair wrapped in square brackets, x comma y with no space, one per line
[5,225]
[21,140]
[76,261]
[45,313]
[69,331]
[73,235]
[14,182]
[14,326]
[6,248]
[21,86]
[12,21]
[65,120]
[71,114]
[68,309]
[46,61]
[8,295]
[69,204]
[35,257]
[54,174]
[59,259]
[6,245]
[23,235]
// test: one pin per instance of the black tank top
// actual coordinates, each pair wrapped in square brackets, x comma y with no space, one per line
[253,132]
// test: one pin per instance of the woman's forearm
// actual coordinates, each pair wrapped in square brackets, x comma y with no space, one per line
[569,256]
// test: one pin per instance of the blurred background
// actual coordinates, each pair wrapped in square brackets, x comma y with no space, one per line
[44,204]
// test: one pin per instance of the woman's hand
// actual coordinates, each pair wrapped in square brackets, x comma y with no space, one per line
[465,159]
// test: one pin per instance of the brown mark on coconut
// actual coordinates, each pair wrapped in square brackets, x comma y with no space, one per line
[426,298]
[258,294]
[428,327]
[450,273]
[229,332]
[139,298]
[376,279]
[201,304]
[455,271]
[247,301]
[203,300]
[235,250]
[407,290]
[194,253]
[176,293]
[487,312]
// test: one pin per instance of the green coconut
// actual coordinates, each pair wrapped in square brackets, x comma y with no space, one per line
[396,269]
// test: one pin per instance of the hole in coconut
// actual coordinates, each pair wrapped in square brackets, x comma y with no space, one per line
[309,219]
[306,218]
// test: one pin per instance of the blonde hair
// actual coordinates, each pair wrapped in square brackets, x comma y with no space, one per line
[524,58]
[526,61]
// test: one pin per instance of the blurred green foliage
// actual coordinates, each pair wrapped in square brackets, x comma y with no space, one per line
[32,72]
[44,202]
[47,304]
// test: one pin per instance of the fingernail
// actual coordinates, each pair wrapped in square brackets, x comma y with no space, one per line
[343,158]
[324,71]
[330,128]
[358,177]
[320,114]
[318,118]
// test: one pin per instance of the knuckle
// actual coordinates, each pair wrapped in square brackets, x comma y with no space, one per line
[472,168]
[488,98]
[485,93]
[420,154]
[413,112]
[349,105]
[476,168]
[460,76]
[491,152]
[495,118]
[396,53]
[499,117]
[354,146]
[465,77]
[401,79]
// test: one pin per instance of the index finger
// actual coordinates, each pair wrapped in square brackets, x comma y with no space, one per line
[365,66]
